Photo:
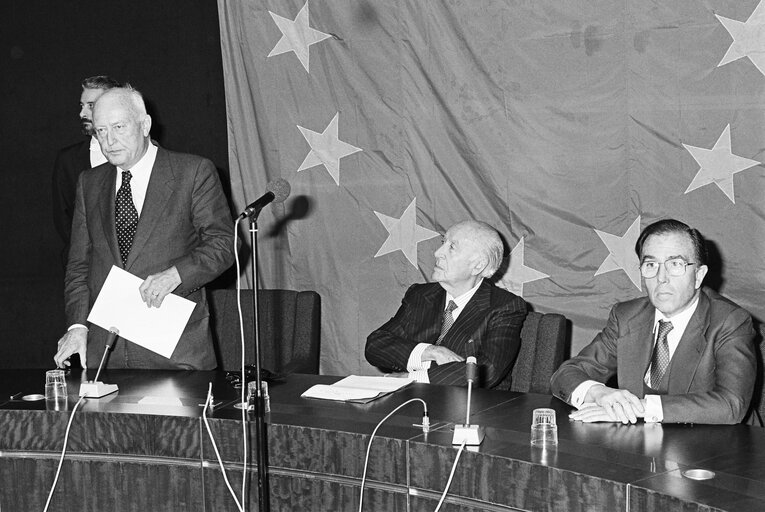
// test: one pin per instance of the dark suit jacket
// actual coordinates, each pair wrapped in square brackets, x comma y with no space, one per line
[712,372]
[185,221]
[492,319]
[70,162]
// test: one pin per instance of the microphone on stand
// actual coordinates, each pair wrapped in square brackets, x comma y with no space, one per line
[471,435]
[94,388]
[276,192]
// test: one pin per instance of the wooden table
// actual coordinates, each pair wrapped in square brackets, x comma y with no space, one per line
[147,449]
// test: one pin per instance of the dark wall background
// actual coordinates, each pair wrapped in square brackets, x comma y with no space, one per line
[168,49]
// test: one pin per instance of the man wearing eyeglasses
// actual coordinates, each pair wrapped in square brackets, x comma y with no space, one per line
[683,354]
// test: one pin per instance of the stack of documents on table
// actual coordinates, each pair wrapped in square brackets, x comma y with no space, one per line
[357,389]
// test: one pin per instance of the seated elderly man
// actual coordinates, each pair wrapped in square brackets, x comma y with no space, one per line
[681,354]
[461,314]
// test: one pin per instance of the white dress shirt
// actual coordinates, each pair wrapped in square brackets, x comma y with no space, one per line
[140,174]
[96,155]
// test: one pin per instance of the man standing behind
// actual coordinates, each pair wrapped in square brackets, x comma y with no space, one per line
[161,216]
[461,314]
[74,159]
[681,354]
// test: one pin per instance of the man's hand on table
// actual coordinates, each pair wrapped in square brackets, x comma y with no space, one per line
[603,403]
[75,341]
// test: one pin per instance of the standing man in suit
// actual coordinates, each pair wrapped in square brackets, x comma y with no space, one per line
[461,314]
[161,216]
[74,159]
[681,354]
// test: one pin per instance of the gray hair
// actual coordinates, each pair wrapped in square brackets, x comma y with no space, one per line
[129,97]
[488,240]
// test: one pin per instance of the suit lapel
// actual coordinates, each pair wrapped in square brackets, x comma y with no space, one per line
[105,198]
[434,297]
[636,348]
[688,353]
[469,320]
[158,195]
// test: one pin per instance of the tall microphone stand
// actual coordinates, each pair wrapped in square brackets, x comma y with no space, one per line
[261,434]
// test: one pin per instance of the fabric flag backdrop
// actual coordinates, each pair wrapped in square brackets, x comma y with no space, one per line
[567,125]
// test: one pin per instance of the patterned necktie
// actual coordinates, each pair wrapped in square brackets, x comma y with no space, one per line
[125,216]
[447,322]
[660,359]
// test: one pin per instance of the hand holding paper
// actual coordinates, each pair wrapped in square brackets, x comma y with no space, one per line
[157,286]
[121,304]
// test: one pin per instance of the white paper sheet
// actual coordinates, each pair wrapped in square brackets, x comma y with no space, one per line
[119,305]
[356,388]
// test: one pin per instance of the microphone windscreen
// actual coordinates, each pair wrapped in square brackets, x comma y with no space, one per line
[111,338]
[472,369]
[280,188]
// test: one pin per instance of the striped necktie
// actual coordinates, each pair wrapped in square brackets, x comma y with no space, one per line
[447,322]
[660,359]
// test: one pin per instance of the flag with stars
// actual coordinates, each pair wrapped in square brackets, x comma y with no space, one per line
[567,125]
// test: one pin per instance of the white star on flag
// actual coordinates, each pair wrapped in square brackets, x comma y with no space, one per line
[518,273]
[748,38]
[326,149]
[622,253]
[404,234]
[297,36]
[718,165]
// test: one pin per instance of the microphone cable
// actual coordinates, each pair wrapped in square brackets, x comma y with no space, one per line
[425,428]
[63,452]
[239,505]
[243,401]
[208,400]
[451,475]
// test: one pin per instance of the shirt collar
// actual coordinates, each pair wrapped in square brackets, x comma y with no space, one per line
[679,321]
[465,297]
[144,165]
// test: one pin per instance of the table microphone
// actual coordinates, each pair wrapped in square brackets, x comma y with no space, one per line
[471,435]
[94,388]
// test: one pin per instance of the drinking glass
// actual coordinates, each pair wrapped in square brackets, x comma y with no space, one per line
[55,389]
[544,430]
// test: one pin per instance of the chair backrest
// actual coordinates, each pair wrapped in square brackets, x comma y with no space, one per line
[290,325]
[757,412]
[543,346]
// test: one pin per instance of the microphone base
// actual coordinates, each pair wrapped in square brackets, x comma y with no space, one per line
[472,435]
[98,389]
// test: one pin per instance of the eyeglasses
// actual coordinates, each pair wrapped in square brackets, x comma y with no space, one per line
[675,267]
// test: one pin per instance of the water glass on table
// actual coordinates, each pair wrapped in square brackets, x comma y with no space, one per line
[55,390]
[544,430]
